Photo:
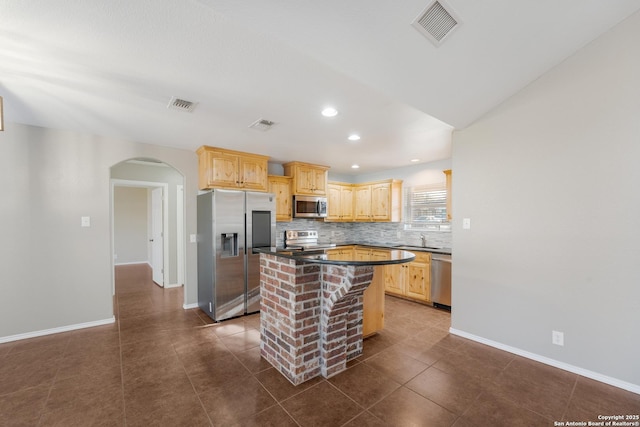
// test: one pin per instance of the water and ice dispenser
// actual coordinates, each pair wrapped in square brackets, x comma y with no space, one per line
[229,245]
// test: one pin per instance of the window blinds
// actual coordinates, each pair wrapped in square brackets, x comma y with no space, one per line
[425,204]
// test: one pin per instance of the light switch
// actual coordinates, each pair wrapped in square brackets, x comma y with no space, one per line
[466,223]
[192,238]
[85,221]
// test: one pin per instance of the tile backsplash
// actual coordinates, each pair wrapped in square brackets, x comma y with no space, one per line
[372,233]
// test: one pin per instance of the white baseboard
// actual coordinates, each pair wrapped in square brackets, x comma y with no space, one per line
[132,263]
[190,306]
[173,285]
[57,330]
[634,388]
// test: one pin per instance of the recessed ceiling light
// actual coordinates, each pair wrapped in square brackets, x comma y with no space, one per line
[329,112]
[354,137]
[415,160]
[355,166]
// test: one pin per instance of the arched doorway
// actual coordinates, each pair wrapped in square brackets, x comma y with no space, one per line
[147,218]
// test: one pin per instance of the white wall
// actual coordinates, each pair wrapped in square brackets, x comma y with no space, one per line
[55,273]
[420,174]
[550,182]
[130,222]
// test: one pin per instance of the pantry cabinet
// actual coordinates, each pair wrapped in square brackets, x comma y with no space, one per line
[228,169]
[411,280]
[281,187]
[308,179]
[340,202]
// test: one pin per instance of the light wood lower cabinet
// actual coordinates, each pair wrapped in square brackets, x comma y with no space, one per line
[373,304]
[373,298]
[344,253]
[419,278]
[411,280]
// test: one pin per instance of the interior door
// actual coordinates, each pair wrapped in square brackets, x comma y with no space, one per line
[157,238]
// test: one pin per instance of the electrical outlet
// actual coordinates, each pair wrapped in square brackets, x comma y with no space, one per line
[557,338]
[466,223]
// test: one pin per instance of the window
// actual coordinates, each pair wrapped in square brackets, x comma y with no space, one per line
[425,206]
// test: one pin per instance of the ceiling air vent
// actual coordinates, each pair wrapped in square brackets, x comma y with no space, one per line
[181,104]
[436,22]
[262,125]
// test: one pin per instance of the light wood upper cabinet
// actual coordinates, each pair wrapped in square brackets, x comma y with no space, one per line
[411,280]
[381,209]
[221,168]
[281,187]
[448,184]
[340,202]
[362,202]
[378,201]
[308,179]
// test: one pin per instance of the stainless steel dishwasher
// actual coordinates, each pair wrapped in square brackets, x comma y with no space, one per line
[441,280]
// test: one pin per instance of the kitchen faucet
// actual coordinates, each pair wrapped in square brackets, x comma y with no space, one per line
[423,238]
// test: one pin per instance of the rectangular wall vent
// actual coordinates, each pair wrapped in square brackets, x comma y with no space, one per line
[436,22]
[181,104]
[262,125]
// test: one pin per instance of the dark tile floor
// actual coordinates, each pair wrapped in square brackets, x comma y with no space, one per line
[162,365]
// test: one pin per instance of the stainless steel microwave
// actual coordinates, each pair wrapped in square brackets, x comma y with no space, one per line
[309,207]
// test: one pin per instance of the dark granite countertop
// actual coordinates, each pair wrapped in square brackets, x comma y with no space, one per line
[344,255]
[404,248]
[424,249]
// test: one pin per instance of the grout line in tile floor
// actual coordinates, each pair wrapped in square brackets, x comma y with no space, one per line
[117,314]
[412,370]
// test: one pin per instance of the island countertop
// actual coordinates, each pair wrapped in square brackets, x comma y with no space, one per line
[344,255]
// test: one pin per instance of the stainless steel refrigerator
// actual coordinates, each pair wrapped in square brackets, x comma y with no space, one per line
[230,224]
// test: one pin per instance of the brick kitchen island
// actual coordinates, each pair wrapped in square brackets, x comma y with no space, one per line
[311,309]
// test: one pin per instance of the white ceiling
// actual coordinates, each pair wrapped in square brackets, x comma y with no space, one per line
[110,67]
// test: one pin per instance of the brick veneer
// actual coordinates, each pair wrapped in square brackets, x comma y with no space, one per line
[311,316]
